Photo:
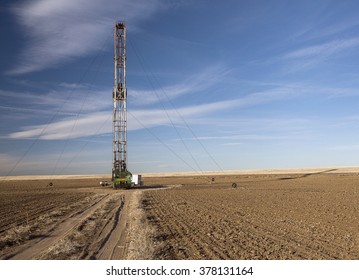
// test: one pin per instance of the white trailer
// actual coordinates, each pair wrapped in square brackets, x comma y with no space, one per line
[137,180]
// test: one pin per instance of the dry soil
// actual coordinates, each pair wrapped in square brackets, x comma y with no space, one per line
[297,215]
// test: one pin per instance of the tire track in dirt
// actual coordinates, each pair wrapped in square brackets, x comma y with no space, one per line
[94,231]
[103,235]
[35,247]
[49,226]
[115,240]
[99,230]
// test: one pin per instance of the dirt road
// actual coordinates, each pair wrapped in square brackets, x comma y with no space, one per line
[93,227]
[311,215]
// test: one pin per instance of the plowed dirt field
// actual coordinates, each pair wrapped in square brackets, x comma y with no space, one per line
[299,216]
[311,215]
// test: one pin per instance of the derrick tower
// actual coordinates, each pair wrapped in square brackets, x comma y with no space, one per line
[120,175]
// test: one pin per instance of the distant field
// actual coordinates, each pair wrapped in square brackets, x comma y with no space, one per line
[270,214]
[349,169]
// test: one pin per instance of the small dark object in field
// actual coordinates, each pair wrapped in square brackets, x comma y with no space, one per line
[234,185]
[212,179]
[50,184]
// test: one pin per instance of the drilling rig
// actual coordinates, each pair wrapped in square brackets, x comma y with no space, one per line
[121,177]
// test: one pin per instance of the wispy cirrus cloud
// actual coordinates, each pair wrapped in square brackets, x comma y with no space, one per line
[60,31]
[95,115]
[311,56]
[68,128]
[247,130]
[100,122]
[323,50]
[94,123]
[61,101]
[197,82]
[326,27]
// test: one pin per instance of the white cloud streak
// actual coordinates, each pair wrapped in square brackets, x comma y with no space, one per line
[100,122]
[325,49]
[326,29]
[64,129]
[312,55]
[95,120]
[60,31]
[70,101]
[195,83]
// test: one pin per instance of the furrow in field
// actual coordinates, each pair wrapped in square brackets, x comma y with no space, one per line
[36,247]
[257,222]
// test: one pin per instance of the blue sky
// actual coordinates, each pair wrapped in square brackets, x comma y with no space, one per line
[211,85]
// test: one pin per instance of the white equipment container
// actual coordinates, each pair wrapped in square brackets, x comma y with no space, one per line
[137,179]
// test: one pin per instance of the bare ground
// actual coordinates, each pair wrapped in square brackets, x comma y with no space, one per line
[298,215]
[73,219]
[268,216]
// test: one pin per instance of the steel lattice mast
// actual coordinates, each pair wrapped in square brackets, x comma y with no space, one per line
[119,169]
